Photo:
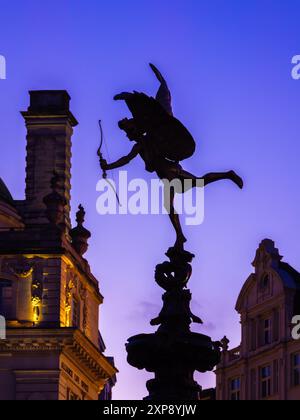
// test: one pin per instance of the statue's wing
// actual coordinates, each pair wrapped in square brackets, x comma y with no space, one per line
[146,111]
[163,95]
[154,117]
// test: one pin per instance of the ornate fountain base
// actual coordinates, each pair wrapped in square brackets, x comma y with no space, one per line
[174,353]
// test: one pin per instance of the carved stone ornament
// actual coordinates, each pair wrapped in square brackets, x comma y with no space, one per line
[22,267]
[83,296]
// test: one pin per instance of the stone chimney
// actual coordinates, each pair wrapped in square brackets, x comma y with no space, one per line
[49,125]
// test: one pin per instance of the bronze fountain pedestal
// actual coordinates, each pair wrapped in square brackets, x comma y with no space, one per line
[173,353]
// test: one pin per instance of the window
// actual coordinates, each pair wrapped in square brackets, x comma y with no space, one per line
[265,283]
[75,313]
[266,373]
[267,331]
[264,287]
[71,396]
[296,369]
[235,389]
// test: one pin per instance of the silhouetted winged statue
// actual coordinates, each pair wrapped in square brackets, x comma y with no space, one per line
[162,142]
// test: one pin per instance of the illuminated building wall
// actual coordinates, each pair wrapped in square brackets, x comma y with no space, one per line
[48,295]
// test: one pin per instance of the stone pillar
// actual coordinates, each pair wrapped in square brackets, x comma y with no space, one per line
[49,125]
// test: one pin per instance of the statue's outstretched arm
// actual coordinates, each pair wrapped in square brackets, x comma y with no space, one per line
[121,162]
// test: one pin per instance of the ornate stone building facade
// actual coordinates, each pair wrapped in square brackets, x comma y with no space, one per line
[266,366]
[48,295]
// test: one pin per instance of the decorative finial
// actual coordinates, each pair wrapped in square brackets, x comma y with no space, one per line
[79,234]
[80,215]
[225,343]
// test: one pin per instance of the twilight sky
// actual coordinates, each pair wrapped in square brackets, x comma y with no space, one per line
[228,64]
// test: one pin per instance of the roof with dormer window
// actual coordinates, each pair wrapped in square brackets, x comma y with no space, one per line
[269,259]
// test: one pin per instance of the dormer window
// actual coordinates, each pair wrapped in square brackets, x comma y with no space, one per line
[265,282]
[264,287]
[267,333]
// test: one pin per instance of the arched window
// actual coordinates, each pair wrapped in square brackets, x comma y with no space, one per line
[265,283]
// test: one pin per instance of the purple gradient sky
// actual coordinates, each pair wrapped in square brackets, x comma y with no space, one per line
[228,64]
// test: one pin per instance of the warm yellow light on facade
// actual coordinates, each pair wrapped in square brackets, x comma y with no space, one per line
[68,316]
[36,310]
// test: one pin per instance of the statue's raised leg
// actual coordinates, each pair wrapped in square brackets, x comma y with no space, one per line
[212,177]
[219,176]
